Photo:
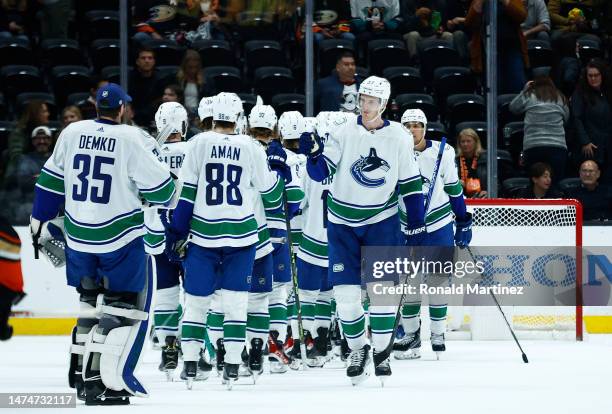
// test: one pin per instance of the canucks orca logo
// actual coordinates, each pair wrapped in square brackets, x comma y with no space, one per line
[369,164]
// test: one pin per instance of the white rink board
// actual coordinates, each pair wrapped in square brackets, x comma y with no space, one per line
[48,293]
[472,378]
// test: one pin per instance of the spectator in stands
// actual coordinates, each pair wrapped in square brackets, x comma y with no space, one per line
[512,57]
[54,17]
[540,175]
[471,164]
[546,112]
[596,198]
[70,114]
[144,86]
[173,93]
[88,109]
[375,19]
[331,21]
[14,19]
[591,108]
[191,79]
[21,175]
[456,11]
[570,22]
[537,23]
[338,91]
[35,114]
[424,20]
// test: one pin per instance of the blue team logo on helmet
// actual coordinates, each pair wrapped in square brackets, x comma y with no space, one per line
[369,170]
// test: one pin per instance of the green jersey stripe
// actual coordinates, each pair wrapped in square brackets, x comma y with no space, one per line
[48,182]
[104,233]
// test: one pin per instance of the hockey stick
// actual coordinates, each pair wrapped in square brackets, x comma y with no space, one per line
[523,355]
[294,280]
[398,315]
[163,135]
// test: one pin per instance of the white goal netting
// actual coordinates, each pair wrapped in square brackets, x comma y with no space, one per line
[545,224]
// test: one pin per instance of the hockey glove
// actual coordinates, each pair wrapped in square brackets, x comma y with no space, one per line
[175,243]
[277,159]
[49,238]
[415,234]
[463,231]
[311,144]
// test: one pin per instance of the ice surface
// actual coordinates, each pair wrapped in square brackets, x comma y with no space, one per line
[472,377]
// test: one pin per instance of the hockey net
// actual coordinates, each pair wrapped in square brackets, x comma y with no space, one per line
[517,222]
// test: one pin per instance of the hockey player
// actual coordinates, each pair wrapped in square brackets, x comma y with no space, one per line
[371,159]
[220,173]
[166,313]
[11,279]
[99,170]
[446,200]
[205,113]
[312,262]
[291,125]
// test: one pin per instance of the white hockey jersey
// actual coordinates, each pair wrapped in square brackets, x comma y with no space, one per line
[369,167]
[219,174]
[103,169]
[172,154]
[313,245]
[447,184]
[264,245]
[295,195]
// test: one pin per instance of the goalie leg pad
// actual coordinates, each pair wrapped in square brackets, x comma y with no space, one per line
[120,335]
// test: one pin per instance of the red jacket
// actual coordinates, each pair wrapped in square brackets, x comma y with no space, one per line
[10,259]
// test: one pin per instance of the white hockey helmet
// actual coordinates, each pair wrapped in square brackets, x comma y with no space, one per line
[227,107]
[377,87]
[310,123]
[173,114]
[291,124]
[262,116]
[205,108]
[242,125]
[414,115]
[322,123]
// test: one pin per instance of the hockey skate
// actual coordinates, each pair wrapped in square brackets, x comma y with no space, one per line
[317,352]
[220,356]
[359,360]
[256,358]
[437,344]
[409,347]
[190,372]
[279,361]
[204,368]
[96,393]
[243,369]
[382,368]
[169,357]
[230,374]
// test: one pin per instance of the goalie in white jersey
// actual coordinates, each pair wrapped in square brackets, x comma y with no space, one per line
[99,170]
[372,163]
[220,173]
[446,200]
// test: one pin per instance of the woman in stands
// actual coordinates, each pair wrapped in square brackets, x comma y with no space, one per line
[546,112]
[540,175]
[592,112]
[191,79]
[35,114]
[472,164]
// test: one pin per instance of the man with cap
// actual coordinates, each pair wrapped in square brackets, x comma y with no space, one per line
[100,170]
